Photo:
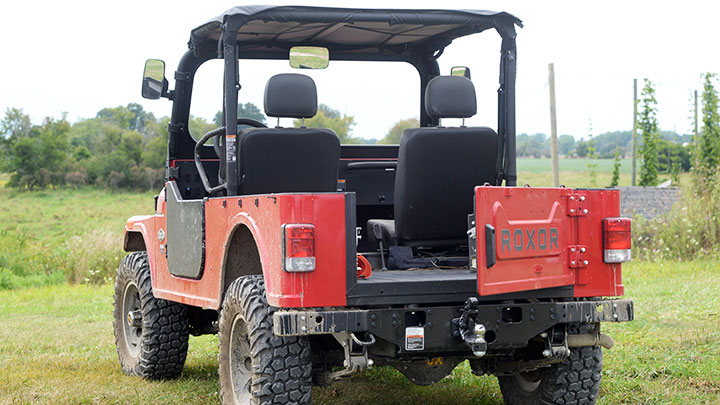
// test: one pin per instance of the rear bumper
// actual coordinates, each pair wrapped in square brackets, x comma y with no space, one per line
[512,325]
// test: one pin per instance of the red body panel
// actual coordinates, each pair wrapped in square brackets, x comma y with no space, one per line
[264,216]
[540,235]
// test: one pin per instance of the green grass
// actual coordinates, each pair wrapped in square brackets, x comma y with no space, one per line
[572,165]
[575,173]
[56,346]
[45,235]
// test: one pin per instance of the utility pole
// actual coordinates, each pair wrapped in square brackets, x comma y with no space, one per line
[696,118]
[633,141]
[553,128]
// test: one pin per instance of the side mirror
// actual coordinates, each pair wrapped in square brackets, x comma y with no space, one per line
[154,84]
[460,71]
[309,57]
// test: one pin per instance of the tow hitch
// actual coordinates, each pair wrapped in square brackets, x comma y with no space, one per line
[472,333]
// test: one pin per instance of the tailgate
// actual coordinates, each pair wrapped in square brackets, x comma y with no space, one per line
[533,238]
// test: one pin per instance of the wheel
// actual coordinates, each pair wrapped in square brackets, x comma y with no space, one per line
[151,335]
[257,367]
[576,380]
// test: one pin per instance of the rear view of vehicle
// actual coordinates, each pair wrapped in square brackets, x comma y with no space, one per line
[314,261]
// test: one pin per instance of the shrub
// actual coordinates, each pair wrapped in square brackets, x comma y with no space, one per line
[690,231]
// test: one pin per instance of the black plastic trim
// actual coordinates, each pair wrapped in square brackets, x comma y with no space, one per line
[490,245]
[350,242]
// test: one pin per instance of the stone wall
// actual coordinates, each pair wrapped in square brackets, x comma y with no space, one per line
[647,201]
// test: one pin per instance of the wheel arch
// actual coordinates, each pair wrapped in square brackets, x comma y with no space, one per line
[134,241]
[242,256]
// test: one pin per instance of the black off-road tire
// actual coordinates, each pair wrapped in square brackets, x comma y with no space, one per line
[257,367]
[576,380]
[156,345]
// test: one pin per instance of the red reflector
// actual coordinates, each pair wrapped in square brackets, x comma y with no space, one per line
[299,240]
[617,233]
[299,247]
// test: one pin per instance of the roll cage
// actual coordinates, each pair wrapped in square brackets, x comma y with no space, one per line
[417,37]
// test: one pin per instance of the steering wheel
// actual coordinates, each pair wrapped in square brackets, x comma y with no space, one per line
[241,121]
[217,134]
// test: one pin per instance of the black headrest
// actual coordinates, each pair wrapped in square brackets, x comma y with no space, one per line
[290,95]
[450,97]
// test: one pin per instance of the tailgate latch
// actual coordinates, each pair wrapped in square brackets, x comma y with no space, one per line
[576,205]
[576,256]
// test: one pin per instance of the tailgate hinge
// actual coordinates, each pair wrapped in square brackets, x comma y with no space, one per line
[577,256]
[576,205]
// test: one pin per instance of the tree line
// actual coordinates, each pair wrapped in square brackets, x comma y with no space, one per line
[125,147]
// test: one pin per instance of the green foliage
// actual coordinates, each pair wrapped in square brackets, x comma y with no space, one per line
[247,110]
[393,136]
[39,159]
[15,125]
[648,129]
[673,153]
[690,231]
[708,144]
[122,147]
[326,117]
[199,127]
[615,181]
[581,149]
[566,143]
[675,169]
[536,145]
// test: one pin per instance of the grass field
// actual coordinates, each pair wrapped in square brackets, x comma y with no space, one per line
[575,172]
[56,343]
[56,346]
[51,236]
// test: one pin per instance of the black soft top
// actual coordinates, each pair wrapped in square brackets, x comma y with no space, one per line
[350,29]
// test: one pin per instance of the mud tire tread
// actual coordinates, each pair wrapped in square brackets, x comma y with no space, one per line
[165,327]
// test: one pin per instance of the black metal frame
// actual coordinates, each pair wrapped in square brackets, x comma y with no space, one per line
[423,58]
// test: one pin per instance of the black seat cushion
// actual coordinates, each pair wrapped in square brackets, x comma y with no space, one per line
[438,169]
[290,95]
[284,160]
[450,97]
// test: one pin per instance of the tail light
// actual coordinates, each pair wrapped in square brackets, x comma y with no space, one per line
[617,240]
[298,247]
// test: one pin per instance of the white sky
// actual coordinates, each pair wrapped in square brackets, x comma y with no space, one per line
[78,57]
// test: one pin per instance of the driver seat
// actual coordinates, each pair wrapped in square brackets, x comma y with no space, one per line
[287,160]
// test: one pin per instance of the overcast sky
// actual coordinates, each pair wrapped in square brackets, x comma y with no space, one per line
[78,57]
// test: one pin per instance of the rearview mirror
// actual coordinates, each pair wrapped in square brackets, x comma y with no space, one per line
[154,84]
[460,71]
[309,57]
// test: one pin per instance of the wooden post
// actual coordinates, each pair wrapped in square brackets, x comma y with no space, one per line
[633,140]
[696,118]
[553,128]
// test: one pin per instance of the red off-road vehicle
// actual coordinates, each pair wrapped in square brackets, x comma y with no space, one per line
[315,260]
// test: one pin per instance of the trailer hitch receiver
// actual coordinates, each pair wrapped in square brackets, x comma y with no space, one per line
[472,332]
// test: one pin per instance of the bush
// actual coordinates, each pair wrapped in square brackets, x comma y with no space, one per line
[690,231]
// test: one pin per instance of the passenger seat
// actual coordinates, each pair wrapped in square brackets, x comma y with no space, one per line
[437,171]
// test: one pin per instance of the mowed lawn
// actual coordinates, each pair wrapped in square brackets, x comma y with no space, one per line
[56,346]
